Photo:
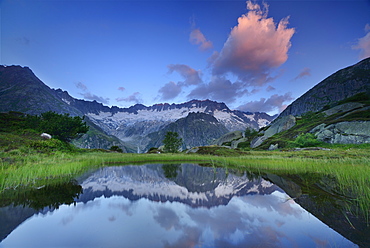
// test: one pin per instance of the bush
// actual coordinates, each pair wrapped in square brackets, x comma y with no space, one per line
[115,149]
[60,126]
[306,140]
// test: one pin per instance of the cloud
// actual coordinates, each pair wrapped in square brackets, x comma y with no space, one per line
[133,98]
[88,96]
[24,41]
[169,91]
[304,73]
[270,88]
[81,86]
[172,89]
[196,37]
[254,47]
[219,89]
[267,105]
[363,44]
[191,76]
[121,88]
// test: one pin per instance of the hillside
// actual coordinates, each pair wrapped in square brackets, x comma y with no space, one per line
[197,129]
[343,84]
[335,111]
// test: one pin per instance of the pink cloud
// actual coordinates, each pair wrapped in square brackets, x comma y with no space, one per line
[254,47]
[197,38]
[270,88]
[304,73]
[363,44]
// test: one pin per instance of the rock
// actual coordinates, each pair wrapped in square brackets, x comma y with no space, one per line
[279,125]
[273,147]
[45,136]
[354,132]
[234,144]
[343,108]
[228,137]
[344,83]
[193,150]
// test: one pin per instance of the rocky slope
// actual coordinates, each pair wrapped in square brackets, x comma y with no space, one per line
[344,83]
[337,110]
[197,129]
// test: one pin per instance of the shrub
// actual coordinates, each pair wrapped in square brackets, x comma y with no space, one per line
[306,140]
[115,149]
[60,126]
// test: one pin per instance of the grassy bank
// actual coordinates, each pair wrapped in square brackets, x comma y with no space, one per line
[26,160]
[350,167]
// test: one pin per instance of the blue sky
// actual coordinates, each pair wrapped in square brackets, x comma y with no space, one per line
[254,56]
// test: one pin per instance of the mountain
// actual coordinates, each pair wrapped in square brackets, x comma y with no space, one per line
[196,129]
[190,184]
[335,111]
[343,84]
[21,90]
[134,125]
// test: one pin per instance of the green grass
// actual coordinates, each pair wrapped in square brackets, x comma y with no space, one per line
[28,161]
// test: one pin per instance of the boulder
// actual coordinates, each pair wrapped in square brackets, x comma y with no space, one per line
[45,136]
[273,147]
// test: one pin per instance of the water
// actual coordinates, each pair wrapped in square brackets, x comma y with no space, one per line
[165,206]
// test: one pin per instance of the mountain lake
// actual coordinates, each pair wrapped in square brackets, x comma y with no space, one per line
[177,205]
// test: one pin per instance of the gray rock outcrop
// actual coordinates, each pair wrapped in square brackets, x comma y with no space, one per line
[279,125]
[228,137]
[354,132]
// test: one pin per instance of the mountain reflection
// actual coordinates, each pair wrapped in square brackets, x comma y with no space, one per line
[193,185]
[169,205]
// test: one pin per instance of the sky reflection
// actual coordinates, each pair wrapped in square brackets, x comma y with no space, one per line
[250,220]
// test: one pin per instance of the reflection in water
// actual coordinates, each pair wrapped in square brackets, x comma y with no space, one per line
[176,206]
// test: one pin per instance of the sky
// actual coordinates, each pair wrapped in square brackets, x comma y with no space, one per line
[256,56]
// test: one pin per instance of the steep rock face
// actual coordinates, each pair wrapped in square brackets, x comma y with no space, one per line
[197,129]
[341,85]
[355,132]
[21,90]
[279,125]
[229,137]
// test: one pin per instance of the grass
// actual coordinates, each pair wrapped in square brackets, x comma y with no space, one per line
[28,161]
[351,168]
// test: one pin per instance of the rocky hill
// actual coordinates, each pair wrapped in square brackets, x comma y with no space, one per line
[335,111]
[129,128]
[197,129]
[344,83]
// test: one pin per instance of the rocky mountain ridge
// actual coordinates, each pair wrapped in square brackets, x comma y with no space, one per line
[21,90]
[342,84]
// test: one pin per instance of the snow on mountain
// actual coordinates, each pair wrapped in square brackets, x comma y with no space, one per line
[193,185]
[135,123]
